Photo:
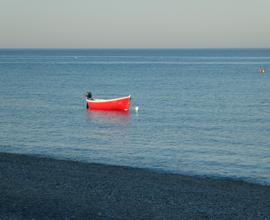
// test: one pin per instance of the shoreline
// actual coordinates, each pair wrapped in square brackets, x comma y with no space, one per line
[42,188]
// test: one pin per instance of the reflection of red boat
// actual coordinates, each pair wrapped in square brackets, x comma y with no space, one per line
[121,104]
[109,117]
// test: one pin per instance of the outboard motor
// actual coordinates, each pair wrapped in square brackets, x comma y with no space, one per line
[88,95]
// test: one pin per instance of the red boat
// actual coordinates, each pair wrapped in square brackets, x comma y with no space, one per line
[120,104]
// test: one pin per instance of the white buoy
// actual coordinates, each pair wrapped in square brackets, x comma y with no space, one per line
[136,108]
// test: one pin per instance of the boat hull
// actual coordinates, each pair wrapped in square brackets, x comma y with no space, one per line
[118,104]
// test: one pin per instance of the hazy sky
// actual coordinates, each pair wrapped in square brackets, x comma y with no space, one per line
[134,23]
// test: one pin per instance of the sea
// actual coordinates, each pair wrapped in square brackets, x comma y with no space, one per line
[202,112]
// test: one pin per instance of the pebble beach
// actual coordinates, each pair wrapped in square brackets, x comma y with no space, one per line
[41,188]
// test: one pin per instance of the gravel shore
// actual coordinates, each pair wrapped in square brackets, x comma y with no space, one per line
[42,188]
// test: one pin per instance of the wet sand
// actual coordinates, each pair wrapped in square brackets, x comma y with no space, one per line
[41,188]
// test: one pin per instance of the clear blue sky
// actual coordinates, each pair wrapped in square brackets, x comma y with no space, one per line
[134,23]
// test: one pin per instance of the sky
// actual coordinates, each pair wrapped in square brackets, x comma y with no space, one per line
[134,24]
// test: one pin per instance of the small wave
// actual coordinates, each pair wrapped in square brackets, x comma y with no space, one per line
[134,62]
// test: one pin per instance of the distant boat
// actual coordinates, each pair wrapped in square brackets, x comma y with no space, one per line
[261,70]
[120,104]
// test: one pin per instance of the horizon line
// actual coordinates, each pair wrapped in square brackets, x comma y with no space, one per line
[129,48]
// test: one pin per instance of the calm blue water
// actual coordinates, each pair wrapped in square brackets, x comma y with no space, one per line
[202,112]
